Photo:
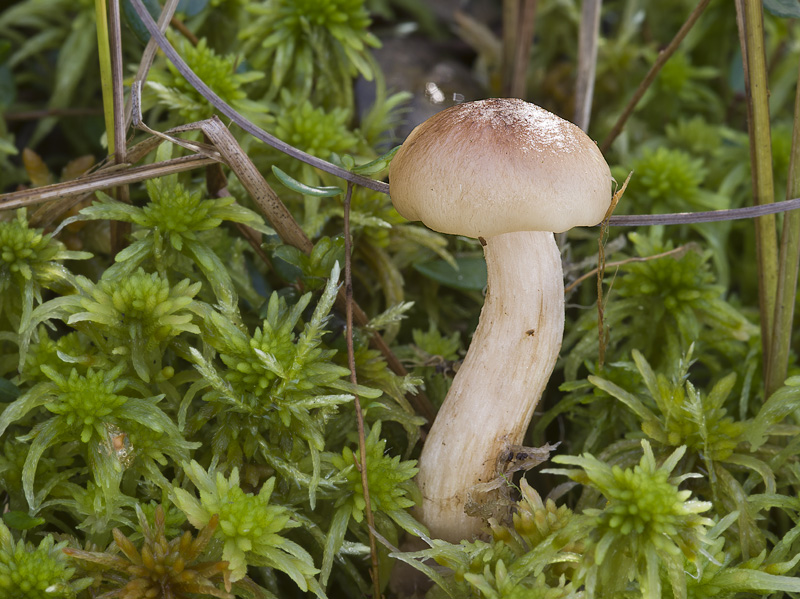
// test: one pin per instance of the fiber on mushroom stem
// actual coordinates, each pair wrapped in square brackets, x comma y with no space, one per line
[511,174]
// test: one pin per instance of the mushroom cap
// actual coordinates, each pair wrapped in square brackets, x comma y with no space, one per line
[497,166]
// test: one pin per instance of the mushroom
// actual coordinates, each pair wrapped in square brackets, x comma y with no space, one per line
[510,174]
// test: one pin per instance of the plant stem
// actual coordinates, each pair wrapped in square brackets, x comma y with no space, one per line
[149,54]
[519,19]
[761,162]
[119,230]
[663,56]
[676,253]
[101,180]
[104,54]
[351,360]
[587,61]
[118,93]
[788,264]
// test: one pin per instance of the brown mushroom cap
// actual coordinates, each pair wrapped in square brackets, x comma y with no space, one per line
[495,166]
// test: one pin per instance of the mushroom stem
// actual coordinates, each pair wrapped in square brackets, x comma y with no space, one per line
[495,392]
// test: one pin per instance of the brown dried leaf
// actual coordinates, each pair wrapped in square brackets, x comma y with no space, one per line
[37,170]
[75,168]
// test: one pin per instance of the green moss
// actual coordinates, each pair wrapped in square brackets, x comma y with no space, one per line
[248,525]
[313,46]
[41,572]
[389,479]
[138,315]
[647,522]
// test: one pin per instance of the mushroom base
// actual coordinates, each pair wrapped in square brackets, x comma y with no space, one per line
[495,392]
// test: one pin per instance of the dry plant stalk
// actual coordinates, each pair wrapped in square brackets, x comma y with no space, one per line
[519,20]
[361,462]
[601,270]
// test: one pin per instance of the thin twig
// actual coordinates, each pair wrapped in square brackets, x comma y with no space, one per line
[663,56]
[119,230]
[351,361]
[602,333]
[687,218]
[103,179]
[150,51]
[587,61]
[678,251]
[525,24]
[237,118]
[181,27]
[253,237]
[601,272]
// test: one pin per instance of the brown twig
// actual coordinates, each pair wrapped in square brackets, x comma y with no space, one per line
[253,237]
[663,56]
[710,216]
[150,51]
[519,20]
[678,251]
[181,27]
[119,230]
[106,178]
[601,272]
[351,361]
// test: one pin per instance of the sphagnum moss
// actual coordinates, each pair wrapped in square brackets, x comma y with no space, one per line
[647,523]
[41,572]
[315,46]
[139,315]
[249,525]
[30,262]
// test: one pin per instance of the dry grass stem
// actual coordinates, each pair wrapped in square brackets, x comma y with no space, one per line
[587,61]
[106,178]
[149,53]
[351,362]
[601,271]
[519,20]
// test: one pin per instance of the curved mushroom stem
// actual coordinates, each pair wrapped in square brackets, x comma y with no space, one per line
[495,392]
